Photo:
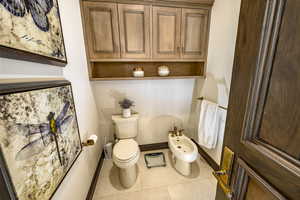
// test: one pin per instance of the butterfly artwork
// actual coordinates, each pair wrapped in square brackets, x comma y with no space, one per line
[37,8]
[34,28]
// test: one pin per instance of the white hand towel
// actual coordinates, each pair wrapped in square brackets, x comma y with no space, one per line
[209,123]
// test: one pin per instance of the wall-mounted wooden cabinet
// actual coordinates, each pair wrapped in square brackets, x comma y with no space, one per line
[180,33]
[102,30]
[194,33]
[151,31]
[134,23]
[166,32]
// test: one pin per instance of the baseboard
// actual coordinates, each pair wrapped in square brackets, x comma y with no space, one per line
[95,178]
[207,157]
[155,146]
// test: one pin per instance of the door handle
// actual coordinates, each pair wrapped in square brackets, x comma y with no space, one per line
[226,189]
[223,176]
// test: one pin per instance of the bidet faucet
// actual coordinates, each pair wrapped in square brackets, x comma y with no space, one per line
[180,132]
[176,132]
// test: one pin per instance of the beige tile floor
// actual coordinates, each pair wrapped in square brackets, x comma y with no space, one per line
[162,183]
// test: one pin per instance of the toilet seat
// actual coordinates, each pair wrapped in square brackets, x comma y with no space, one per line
[126,153]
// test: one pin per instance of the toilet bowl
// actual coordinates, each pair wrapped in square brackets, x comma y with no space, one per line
[184,152]
[126,154]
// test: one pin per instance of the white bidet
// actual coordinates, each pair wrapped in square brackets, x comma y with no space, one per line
[184,153]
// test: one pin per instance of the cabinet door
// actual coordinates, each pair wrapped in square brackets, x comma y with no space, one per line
[101,20]
[134,23]
[194,33]
[166,32]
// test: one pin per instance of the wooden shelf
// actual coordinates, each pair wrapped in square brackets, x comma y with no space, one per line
[124,70]
[145,78]
[147,60]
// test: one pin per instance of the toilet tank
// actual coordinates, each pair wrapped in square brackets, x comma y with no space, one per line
[126,127]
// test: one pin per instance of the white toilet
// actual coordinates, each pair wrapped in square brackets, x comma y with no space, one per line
[126,151]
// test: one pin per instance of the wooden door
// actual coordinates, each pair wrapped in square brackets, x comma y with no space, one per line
[166,32]
[134,23]
[194,33]
[263,124]
[101,24]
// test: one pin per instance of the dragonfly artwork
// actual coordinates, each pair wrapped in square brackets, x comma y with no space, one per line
[39,138]
[48,132]
[37,8]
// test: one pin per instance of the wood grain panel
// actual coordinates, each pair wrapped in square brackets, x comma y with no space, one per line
[194,33]
[254,190]
[166,32]
[102,29]
[173,3]
[250,185]
[103,36]
[134,22]
[154,146]
[280,125]
[204,2]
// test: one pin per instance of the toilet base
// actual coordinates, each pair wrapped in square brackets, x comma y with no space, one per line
[128,176]
[184,168]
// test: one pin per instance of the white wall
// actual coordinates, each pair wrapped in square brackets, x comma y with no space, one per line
[224,23]
[160,103]
[76,184]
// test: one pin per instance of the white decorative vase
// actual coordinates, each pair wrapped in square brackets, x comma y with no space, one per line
[163,71]
[127,113]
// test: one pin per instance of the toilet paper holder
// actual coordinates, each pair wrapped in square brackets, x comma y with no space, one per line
[90,141]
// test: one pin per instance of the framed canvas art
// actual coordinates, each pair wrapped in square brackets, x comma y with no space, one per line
[39,138]
[31,30]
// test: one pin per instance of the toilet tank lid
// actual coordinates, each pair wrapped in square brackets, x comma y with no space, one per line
[120,118]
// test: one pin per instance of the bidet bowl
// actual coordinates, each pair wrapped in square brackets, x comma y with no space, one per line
[184,153]
[183,148]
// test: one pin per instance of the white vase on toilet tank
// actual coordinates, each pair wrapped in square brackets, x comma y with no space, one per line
[126,151]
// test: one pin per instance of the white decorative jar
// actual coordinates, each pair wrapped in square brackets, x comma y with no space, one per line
[127,113]
[138,72]
[163,71]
